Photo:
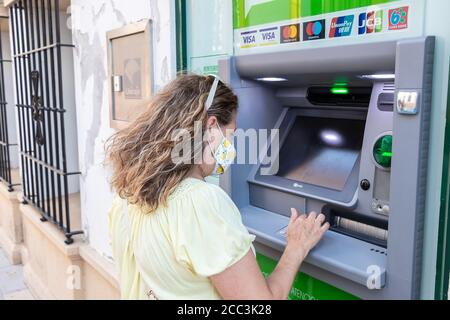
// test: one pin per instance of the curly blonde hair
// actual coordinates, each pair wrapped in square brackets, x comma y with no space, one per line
[141,155]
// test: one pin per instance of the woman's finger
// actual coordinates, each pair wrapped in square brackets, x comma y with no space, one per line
[320,219]
[294,215]
[312,216]
[325,227]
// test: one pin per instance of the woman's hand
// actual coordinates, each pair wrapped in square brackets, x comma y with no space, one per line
[304,232]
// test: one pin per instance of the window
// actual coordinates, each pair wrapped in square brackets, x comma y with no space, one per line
[43,67]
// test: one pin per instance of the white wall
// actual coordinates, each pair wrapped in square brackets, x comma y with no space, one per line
[90,22]
[9,97]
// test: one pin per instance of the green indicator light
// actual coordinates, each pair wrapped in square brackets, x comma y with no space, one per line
[339,90]
[382,151]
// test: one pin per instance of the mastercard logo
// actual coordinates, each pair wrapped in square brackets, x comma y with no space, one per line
[290,32]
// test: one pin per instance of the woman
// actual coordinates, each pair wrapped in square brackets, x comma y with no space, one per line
[176,236]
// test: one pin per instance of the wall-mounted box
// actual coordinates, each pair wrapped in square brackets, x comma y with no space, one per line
[130,67]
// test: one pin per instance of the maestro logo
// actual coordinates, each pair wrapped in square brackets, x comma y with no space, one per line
[370,22]
[314,30]
[290,33]
[398,18]
[341,26]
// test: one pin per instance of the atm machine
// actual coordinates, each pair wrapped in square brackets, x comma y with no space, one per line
[353,127]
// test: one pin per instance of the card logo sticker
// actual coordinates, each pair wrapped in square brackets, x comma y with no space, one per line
[370,22]
[290,33]
[314,30]
[248,39]
[269,36]
[341,26]
[398,18]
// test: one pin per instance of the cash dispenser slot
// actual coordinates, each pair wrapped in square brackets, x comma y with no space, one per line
[366,228]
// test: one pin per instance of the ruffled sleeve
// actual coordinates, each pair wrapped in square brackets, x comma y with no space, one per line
[208,232]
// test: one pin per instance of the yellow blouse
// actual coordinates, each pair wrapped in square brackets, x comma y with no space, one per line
[171,253]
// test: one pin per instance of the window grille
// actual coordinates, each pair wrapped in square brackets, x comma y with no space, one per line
[40,99]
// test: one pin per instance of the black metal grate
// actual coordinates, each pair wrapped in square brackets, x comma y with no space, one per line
[38,66]
[5,145]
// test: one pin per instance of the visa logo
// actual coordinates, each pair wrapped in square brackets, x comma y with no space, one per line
[268,36]
[249,39]
[370,22]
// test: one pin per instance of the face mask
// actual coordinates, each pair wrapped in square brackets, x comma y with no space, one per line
[224,155]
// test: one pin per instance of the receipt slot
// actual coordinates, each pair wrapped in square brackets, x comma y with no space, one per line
[356,151]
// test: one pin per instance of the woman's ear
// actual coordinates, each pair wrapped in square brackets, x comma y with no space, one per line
[211,122]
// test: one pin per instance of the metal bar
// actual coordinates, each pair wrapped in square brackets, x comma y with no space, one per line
[13,27]
[47,47]
[40,91]
[23,92]
[4,144]
[55,118]
[12,185]
[43,108]
[61,105]
[5,156]
[31,67]
[47,116]
[43,70]
[46,165]
[181,39]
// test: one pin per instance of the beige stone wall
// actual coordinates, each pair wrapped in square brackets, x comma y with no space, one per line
[10,225]
[98,276]
[54,270]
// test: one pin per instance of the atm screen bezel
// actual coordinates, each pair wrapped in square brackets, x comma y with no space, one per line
[345,197]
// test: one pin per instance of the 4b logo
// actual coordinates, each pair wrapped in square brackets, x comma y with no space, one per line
[370,22]
[398,18]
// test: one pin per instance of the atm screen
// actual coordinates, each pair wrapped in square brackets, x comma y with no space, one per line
[321,151]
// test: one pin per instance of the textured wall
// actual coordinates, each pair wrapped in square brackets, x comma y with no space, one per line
[9,97]
[90,20]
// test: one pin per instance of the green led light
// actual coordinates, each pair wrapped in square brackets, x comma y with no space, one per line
[339,90]
[382,151]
